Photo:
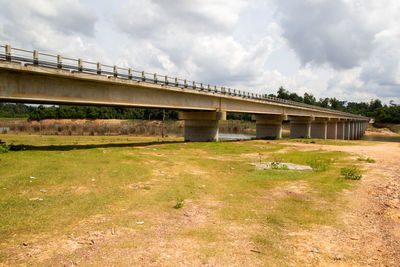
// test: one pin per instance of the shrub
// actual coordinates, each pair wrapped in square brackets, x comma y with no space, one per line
[319,164]
[351,173]
[369,160]
[4,148]
[179,203]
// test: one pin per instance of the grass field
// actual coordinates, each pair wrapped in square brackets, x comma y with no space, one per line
[141,200]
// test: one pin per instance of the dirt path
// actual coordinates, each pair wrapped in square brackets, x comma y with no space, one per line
[370,234]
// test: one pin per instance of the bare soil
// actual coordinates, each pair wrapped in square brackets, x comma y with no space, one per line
[370,235]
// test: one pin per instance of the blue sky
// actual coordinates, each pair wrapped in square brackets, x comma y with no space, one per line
[347,49]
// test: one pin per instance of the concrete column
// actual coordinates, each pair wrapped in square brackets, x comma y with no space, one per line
[332,129]
[300,127]
[352,130]
[355,130]
[347,130]
[201,126]
[319,128]
[341,126]
[268,126]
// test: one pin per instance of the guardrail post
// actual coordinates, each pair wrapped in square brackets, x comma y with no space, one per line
[8,52]
[229,91]
[194,85]
[143,76]
[98,68]
[166,79]
[115,71]
[59,61]
[215,88]
[176,82]
[80,65]
[208,87]
[155,78]
[185,83]
[234,92]
[130,75]
[35,57]
[202,86]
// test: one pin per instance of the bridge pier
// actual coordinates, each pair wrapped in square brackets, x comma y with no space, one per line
[347,130]
[201,126]
[341,130]
[300,127]
[268,126]
[352,130]
[332,129]
[319,128]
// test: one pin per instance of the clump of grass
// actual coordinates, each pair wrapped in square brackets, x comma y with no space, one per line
[351,173]
[369,160]
[278,166]
[319,164]
[4,148]
[179,203]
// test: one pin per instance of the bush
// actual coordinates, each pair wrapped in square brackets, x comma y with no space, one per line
[369,160]
[319,164]
[179,203]
[4,148]
[351,173]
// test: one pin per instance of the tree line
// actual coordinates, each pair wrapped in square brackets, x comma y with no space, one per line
[374,109]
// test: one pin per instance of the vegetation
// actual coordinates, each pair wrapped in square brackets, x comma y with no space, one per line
[4,148]
[94,184]
[368,159]
[179,203]
[351,173]
[374,109]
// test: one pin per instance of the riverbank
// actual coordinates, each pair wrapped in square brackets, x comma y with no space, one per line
[124,200]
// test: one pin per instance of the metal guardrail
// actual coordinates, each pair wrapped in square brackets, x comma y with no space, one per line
[35,57]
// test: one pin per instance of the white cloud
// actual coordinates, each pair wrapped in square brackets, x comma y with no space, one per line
[348,49]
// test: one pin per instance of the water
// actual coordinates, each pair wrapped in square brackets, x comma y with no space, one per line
[238,136]
[235,136]
[381,138]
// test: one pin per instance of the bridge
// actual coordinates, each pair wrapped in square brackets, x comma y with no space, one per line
[36,77]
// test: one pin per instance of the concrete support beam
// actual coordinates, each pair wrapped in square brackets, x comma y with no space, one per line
[352,130]
[341,127]
[347,130]
[332,129]
[201,126]
[268,126]
[319,128]
[300,127]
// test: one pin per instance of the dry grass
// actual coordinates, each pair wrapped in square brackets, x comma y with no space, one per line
[98,193]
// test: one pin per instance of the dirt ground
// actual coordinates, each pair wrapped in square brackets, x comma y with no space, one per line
[370,235]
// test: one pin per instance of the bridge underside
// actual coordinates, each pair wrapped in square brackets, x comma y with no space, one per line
[201,109]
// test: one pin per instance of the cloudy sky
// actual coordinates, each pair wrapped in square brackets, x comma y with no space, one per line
[348,49]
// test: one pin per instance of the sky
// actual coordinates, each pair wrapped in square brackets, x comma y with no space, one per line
[348,49]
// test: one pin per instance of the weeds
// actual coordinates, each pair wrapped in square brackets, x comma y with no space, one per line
[319,164]
[179,203]
[368,160]
[351,173]
[4,148]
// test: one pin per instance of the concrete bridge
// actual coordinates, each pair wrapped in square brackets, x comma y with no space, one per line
[35,77]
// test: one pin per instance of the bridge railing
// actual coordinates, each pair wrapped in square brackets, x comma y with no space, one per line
[35,57]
